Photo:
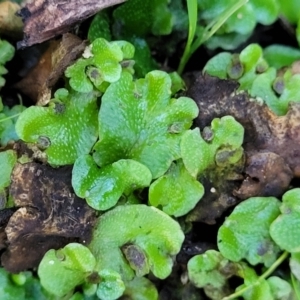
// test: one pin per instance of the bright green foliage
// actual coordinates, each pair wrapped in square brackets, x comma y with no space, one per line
[66,129]
[8,289]
[178,83]
[291,11]
[177,192]
[274,288]
[60,271]
[222,145]
[296,286]
[279,56]
[285,229]
[241,24]
[255,76]
[19,278]
[218,65]
[140,288]
[157,236]
[7,52]
[192,7]
[141,17]
[245,233]
[103,187]
[211,272]
[205,34]
[111,286]
[101,65]
[8,159]
[144,61]
[99,27]
[8,119]
[260,289]
[139,120]
[235,25]
[79,296]
[208,271]
[23,286]
[280,288]
[295,264]
[90,289]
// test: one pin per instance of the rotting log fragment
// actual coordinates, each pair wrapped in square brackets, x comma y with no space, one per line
[39,81]
[50,215]
[45,19]
[267,173]
[271,142]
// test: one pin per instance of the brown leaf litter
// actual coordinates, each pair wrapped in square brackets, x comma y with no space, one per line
[40,80]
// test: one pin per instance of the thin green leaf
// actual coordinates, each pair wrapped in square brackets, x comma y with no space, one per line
[192,6]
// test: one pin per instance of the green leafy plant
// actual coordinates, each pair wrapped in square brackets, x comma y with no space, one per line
[118,256]
[134,21]
[102,188]
[8,116]
[125,128]
[62,270]
[132,14]
[139,120]
[275,230]
[279,56]
[221,145]
[148,242]
[141,288]
[284,230]
[138,123]
[101,65]
[8,159]
[212,270]
[176,192]
[221,15]
[239,240]
[7,52]
[66,129]
[8,119]
[240,21]
[257,77]
[22,286]
[290,11]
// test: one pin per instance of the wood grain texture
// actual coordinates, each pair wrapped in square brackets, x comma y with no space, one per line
[44,19]
[49,215]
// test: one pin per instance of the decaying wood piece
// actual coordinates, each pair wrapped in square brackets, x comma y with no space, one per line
[264,131]
[45,19]
[10,24]
[40,80]
[271,143]
[49,215]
